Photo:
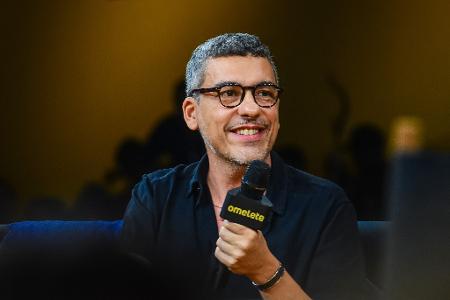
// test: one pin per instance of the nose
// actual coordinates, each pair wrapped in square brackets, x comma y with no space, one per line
[248,107]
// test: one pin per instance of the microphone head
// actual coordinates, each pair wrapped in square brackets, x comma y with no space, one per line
[256,179]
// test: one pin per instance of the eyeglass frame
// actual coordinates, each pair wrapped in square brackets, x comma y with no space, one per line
[244,88]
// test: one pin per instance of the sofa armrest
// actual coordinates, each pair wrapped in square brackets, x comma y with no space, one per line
[3,231]
[59,235]
[374,238]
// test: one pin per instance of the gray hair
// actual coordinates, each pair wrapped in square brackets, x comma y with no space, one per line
[228,44]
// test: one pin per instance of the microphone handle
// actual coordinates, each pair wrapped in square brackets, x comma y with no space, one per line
[219,277]
[259,212]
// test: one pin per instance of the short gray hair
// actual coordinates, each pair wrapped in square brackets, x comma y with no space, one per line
[228,44]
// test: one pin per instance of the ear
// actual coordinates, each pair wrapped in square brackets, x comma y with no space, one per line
[190,107]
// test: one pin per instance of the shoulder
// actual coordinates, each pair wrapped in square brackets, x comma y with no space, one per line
[314,188]
[163,176]
[321,204]
[163,183]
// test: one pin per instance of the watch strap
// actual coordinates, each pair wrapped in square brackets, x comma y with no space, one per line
[272,281]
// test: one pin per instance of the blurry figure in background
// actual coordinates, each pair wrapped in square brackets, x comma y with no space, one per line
[95,202]
[367,148]
[359,165]
[171,142]
[337,162]
[43,208]
[407,135]
[131,162]
[8,203]
[294,156]
[419,211]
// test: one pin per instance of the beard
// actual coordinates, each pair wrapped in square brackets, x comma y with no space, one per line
[240,157]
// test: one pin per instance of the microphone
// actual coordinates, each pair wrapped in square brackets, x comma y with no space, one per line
[247,205]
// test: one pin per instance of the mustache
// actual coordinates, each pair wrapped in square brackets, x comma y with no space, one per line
[255,122]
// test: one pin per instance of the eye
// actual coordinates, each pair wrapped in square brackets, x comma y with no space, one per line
[229,91]
[266,92]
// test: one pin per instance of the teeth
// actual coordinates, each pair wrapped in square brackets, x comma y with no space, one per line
[247,131]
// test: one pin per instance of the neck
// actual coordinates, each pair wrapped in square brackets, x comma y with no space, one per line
[224,176]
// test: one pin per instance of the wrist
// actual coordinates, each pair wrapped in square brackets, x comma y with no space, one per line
[273,280]
[265,272]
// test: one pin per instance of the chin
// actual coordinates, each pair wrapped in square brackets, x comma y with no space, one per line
[244,158]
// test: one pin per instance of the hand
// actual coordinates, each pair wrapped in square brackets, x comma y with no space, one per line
[244,251]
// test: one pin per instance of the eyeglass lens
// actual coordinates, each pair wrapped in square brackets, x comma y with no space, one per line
[263,95]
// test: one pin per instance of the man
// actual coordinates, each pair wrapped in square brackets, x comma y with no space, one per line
[309,249]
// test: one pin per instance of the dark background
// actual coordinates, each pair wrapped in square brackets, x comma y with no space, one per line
[79,77]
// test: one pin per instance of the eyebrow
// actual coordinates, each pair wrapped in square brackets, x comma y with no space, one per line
[224,83]
[266,82]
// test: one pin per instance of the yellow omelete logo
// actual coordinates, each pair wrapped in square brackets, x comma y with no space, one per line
[245,213]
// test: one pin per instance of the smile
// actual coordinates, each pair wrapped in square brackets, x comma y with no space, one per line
[247,131]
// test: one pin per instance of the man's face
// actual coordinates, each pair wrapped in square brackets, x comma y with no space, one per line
[243,133]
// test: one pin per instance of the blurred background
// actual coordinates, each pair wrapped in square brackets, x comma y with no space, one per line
[89,91]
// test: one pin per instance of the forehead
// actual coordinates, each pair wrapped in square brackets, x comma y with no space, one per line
[246,70]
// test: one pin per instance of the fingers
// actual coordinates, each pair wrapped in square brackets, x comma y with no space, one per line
[227,235]
[231,231]
[229,249]
[231,262]
[225,247]
[224,258]
[236,245]
[242,250]
[236,228]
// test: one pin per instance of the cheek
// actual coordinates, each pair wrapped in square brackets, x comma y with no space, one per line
[276,124]
[202,125]
[215,122]
[275,132]
[208,125]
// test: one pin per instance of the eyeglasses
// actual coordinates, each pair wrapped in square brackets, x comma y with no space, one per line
[231,94]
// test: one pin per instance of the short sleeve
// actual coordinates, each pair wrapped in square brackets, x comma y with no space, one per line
[139,230]
[337,270]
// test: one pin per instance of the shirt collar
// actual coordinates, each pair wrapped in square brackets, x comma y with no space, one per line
[198,180]
[276,192]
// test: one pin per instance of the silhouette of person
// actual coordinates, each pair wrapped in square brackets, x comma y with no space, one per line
[8,202]
[41,208]
[367,147]
[95,202]
[171,142]
[293,155]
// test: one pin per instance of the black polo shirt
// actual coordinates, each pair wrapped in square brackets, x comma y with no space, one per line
[170,221]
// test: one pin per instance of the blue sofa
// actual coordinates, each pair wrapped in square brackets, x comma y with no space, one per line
[58,236]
